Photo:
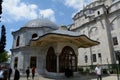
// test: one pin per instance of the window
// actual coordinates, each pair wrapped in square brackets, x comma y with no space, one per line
[86,58]
[18,41]
[99,55]
[94,58]
[16,62]
[33,61]
[117,54]
[98,12]
[107,11]
[34,35]
[115,41]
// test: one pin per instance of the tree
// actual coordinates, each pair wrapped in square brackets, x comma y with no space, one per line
[4,56]
[1,7]
[3,39]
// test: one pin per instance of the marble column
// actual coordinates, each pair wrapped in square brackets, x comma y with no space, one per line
[26,62]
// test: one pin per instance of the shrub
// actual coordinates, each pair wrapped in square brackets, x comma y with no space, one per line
[87,70]
[104,71]
[80,70]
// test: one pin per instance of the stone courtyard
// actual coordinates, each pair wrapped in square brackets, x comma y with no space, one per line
[87,77]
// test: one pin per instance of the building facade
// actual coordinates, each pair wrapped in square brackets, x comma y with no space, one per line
[100,21]
[50,49]
[38,39]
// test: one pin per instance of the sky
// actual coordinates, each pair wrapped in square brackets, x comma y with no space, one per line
[16,13]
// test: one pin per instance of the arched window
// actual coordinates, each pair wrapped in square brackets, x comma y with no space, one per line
[98,12]
[34,35]
[67,59]
[16,62]
[18,41]
[51,60]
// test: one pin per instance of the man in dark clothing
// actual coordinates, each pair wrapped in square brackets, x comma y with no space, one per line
[9,73]
[17,74]
[28,72]
[67,72]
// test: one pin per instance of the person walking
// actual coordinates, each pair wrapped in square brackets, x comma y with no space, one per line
[9,73]
[67,72]
[27,72]
[17,74]
[33,72]
[98,72]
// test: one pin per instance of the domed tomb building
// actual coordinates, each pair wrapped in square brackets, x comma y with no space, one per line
[51,49]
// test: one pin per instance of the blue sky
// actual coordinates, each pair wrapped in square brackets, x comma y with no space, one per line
[17,12]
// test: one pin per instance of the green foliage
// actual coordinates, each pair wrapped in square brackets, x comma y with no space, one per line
[87,70]
[4,56]
[104,71]
[80,70]
[113,69]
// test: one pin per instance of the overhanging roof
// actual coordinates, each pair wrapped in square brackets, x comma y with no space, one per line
[81,41]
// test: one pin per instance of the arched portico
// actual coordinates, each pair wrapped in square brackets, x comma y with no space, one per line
[67,59]
[51,60]
[61,51]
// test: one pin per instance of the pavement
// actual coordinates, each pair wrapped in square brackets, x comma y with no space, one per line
[82,77]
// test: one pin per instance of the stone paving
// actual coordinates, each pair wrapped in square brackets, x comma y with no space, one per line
[111,77]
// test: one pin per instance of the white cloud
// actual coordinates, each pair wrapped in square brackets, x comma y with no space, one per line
[48,13]
[12,30]
[18,10]
[76,4]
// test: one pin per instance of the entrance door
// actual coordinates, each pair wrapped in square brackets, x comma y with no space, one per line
[33,61]
[51,60]
[67,59]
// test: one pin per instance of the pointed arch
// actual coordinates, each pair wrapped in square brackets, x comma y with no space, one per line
[67,59]
[51,60]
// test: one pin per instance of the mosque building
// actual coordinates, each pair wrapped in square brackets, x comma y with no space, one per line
[99,20]
[41,43]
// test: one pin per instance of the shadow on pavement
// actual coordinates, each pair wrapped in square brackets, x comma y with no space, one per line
[78,77]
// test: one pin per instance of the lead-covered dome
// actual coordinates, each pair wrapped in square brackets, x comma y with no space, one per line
[41,23]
